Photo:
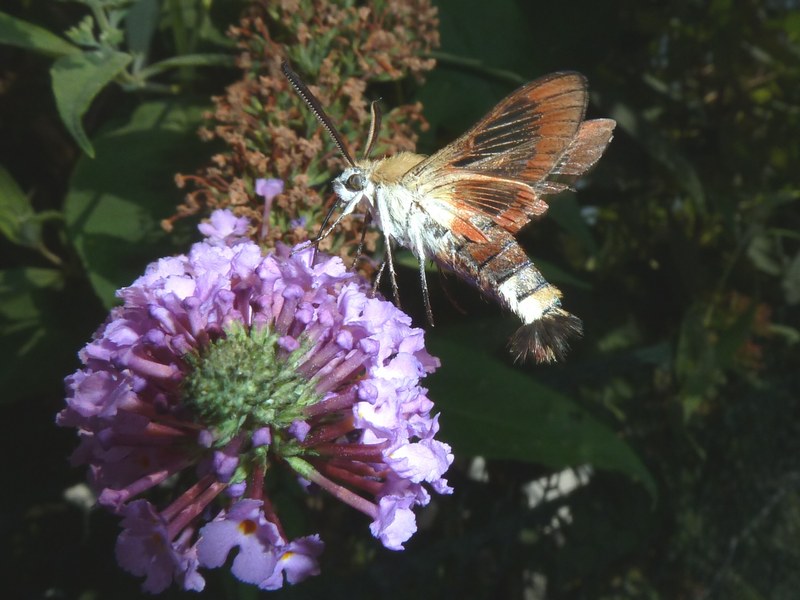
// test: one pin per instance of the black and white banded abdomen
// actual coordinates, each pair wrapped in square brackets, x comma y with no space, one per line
[500,268]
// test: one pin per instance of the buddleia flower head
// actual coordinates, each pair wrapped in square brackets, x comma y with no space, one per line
[224,365]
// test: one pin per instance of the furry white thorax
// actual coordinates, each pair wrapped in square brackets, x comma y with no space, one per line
[396,211]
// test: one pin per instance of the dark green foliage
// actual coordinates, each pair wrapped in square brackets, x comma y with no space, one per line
[680,253]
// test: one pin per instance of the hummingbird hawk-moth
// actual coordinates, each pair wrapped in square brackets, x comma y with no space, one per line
[462,206]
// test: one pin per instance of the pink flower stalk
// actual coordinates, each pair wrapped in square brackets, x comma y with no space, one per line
[268,189]
[224,364]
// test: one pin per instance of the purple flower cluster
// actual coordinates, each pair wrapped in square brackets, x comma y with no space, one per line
[223,365]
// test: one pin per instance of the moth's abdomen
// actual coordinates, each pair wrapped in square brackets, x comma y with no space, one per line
[546,339]
[501,269]
[547,327]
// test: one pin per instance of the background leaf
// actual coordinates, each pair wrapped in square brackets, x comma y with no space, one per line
[496,411]
[686,278]
[141,23]
[39,328]
[116,202]
[77,79]
[662,150]
[17,219]
[22,34]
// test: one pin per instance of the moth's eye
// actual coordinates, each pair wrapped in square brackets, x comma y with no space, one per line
[355,183]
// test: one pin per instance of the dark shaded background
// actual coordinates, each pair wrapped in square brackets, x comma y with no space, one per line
[680,252]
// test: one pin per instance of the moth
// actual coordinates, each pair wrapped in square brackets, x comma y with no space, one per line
[462,206]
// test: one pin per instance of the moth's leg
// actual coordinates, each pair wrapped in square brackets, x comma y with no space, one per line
[392,274]
[425,297]
[378,278]
[418,247]
[321,235]
[382,212]
[326,231]
[376,284]
[360,249]
[447,292]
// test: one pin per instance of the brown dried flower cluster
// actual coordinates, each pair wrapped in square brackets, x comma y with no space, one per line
[339,48]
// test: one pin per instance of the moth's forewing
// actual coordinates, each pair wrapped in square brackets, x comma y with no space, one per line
[500,167]
[525,134]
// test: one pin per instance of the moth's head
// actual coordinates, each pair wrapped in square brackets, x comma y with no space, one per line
[353,186]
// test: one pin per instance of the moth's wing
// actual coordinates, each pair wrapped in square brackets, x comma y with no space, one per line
[581,155]
[524,136]
[502,166]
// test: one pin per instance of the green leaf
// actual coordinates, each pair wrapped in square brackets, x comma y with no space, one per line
[764,252]
[464,26]
[27,301]
[83,34]
[17,219]
[791,281]
[188,60]
[734,336]
[566,211]
[22,34]
[558,276]
[662,149]
[77,79]
[116,202]
[476,69]
[494,410]
[16,285]
[140,25]
[696,364]
[44,319]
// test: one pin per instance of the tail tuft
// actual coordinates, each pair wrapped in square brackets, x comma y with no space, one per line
[546,339]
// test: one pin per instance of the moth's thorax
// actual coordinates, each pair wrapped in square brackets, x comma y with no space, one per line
[384,171]
[402,209]
[389,170]
[381,187]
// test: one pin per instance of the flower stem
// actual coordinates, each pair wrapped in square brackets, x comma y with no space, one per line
[362,452]
[366,484]
[329,432]
[191,511]
[332,404]
[305,470]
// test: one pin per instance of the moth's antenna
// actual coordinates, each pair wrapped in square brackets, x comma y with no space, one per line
[317,109]
[374,127]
